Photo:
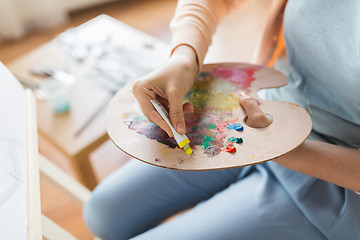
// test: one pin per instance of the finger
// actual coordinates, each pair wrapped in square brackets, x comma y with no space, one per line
[158,120]
[143,97]
[188,108]
[255,116]
[176,111]
[164,102]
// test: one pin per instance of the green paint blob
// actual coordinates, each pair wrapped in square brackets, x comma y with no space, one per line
[235,140]
[207,140]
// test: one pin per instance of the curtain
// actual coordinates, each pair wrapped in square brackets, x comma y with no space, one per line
[18,17]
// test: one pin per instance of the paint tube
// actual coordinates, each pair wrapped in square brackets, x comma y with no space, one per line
[182,140]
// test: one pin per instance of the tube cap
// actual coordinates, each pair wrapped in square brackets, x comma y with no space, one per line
[188,149]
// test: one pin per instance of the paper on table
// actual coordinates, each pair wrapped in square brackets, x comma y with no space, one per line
[11,173]
[13,164]
[13,218]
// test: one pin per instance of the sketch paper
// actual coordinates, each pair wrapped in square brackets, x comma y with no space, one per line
[13,164]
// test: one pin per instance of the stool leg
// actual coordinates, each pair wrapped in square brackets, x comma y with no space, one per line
[84,170]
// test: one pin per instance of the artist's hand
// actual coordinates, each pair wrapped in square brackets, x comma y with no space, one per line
[169,84]
[255,116]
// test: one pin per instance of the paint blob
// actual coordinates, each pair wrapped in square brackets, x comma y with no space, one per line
[214,98]
[240,77]
[212,151]
[230,149]
[236,126]
[235,140]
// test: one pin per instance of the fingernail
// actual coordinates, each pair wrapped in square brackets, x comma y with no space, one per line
[180,127]
[244,95]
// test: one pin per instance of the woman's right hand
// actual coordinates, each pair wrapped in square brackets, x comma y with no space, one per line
[169,84]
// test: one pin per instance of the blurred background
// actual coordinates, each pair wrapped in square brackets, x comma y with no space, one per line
[29,25]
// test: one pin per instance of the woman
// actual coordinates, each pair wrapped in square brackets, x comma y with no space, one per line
[305,194]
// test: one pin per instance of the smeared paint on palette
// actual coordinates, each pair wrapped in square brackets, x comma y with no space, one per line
[214,98]
[216,129]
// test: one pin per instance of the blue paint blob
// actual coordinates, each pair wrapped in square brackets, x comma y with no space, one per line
[235,126]
[239,128]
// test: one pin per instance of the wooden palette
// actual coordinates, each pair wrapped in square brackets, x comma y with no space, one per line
[290,127]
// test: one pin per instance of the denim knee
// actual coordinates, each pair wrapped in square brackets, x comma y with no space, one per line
[95,217]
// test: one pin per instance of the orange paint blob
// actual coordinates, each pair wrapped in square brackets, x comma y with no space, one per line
[230,149]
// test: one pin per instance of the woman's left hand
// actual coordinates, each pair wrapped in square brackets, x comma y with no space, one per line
[336,164]
[255,116]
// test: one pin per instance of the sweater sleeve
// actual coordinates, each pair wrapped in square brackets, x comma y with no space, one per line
[195,22]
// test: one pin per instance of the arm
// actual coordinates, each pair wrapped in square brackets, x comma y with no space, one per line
[192,27]
[195,22]
[332,163]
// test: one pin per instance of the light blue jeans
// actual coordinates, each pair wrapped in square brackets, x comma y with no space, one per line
[240,203]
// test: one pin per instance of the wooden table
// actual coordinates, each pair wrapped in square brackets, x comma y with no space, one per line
[85,97]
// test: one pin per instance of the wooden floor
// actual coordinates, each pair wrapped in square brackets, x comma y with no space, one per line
[151,17]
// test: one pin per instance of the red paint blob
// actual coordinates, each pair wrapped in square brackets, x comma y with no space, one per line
[242,78]
[230,149]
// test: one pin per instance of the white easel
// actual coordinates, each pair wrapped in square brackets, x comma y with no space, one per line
[39,226]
